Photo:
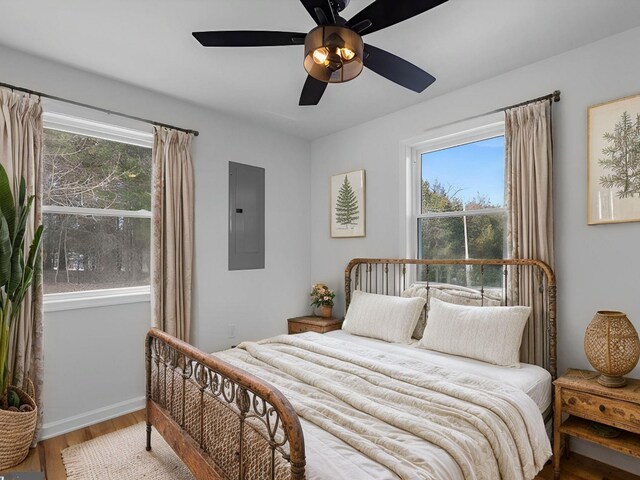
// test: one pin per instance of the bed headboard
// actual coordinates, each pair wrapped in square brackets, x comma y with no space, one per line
[507,281]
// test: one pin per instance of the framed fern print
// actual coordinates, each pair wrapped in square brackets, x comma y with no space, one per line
[614,161]
[348,205]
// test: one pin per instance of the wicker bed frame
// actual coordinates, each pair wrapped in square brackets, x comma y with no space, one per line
[225,423]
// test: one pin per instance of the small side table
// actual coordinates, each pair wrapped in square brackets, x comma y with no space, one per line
[313,324]
[578,394]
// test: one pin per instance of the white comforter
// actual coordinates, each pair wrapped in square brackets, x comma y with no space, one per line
[406,418]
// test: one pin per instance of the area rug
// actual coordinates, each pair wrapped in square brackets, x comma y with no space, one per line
[121,455]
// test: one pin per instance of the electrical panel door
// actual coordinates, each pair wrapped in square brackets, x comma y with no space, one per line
[246,217]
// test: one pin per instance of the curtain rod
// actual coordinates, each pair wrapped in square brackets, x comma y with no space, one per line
[104,110]
[554,97]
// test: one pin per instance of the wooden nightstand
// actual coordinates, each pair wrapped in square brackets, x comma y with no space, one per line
[586,401]
[313,324]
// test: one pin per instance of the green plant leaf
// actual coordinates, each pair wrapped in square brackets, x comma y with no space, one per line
[17,259]
[21,212]
[5,252]
[33,259]
[21,224]
[26,283]
[23,192]
[13,398]
[7,204]
[17,269]
[37,264]
[31,269]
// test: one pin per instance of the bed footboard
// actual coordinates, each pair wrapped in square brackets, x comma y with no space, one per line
[223,422]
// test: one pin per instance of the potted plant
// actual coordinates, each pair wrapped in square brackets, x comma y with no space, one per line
[322,297]
[18,411]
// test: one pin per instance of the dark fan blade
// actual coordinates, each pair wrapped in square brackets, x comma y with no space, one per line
[320,11]
[312,91]
[396,69]
[241,38]
[384,13]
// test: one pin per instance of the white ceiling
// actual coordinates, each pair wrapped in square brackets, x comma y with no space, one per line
[149,43]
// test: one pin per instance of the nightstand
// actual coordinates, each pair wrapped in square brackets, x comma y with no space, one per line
[313,324]
[578,394]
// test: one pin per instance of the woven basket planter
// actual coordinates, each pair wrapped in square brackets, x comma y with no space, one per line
[16,431]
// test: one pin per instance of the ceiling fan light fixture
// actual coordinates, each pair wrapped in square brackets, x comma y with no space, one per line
[333,54]
[320,55]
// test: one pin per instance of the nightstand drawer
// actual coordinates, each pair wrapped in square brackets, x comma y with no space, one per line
[601,409]
[301,328]
[313,324]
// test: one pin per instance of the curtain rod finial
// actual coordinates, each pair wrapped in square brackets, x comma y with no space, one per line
[556,96]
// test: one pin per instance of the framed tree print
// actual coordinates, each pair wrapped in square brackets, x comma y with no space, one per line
[614,161]
[348,205]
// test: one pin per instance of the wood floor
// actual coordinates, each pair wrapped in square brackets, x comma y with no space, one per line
[46,457]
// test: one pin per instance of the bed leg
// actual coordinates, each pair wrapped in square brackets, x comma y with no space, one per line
[148,436]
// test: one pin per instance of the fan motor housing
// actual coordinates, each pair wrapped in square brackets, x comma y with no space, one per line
[339,5]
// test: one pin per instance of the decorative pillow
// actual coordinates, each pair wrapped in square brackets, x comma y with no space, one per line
[447,293]
[465,296]
[421,292]
[385,317]
[490,334]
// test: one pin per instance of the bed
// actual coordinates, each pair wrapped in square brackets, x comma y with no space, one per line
[344,406]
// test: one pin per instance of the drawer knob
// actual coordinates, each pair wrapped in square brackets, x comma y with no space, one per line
[601,408]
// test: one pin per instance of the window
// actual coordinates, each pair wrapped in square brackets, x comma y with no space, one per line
[96,207]
[460,210]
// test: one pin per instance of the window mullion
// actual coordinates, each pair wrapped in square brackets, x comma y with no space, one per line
[463,213]
[97,212]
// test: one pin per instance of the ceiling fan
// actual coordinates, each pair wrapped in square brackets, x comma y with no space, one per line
[334,50]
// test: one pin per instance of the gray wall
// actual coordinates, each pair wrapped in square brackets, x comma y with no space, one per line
[80,382]
[597,266]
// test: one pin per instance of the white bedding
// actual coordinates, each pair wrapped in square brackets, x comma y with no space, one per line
[329,458]
[531,379]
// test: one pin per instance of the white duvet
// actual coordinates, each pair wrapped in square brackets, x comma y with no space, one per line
[533,380]
[369,413]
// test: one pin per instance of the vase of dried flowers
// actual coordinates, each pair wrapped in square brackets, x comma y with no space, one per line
[322,297]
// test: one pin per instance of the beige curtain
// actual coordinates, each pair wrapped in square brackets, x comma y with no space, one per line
[529,172]
[172,232]
[21,155]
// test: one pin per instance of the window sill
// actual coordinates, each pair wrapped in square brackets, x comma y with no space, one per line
[55,302]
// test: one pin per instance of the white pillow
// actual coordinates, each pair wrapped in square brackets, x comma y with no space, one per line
[418,291]
[490,334]
[385,317]
[446,293]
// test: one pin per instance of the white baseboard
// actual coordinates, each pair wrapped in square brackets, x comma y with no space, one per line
[66,425]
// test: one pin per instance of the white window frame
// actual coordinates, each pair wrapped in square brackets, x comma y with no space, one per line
[78,123]
[415,152]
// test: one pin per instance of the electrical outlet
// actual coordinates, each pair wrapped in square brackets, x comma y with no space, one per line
[231,330]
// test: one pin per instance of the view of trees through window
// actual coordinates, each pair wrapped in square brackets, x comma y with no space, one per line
[96,213]
[463,211]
